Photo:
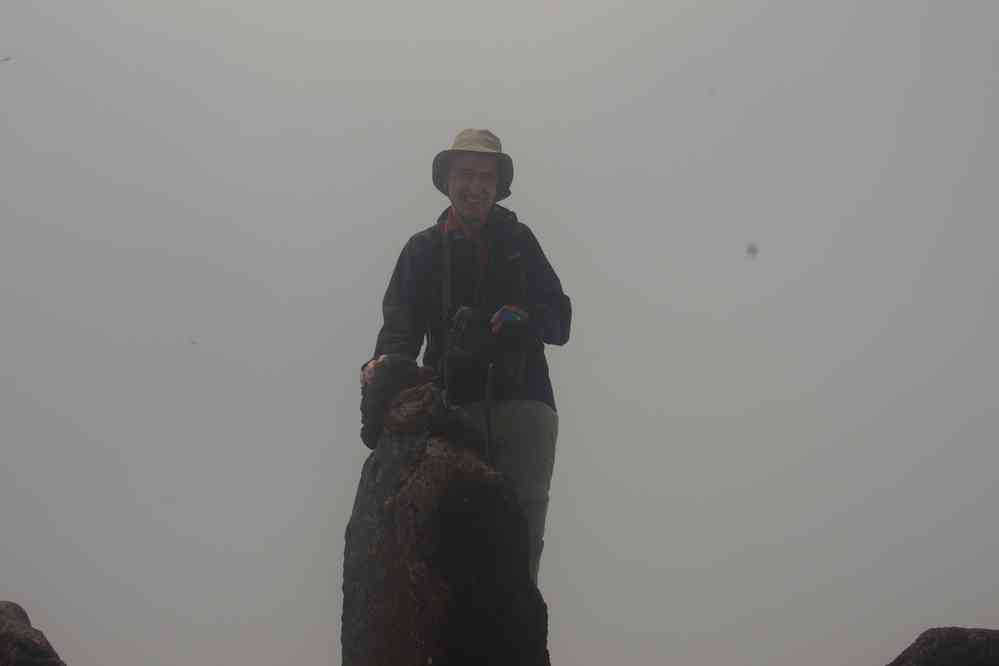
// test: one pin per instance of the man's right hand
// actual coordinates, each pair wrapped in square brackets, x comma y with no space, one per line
[368,371]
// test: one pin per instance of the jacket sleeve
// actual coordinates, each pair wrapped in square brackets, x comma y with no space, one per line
[547,305]
[404,322]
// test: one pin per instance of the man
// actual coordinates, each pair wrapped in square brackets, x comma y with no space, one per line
[480,265]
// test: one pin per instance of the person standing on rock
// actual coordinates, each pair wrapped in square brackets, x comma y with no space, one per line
[477,286]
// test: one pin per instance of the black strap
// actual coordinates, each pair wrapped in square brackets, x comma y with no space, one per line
[446,277]
[445,313]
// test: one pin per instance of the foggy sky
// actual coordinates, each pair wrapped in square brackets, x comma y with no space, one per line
[760,460]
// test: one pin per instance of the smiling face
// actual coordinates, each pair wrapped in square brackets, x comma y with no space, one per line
[471,185]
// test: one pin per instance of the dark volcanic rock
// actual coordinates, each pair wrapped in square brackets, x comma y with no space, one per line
[20,643]
[436,559]
[397,374]
[952,646]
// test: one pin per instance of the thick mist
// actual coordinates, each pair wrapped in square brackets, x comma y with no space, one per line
[761,458]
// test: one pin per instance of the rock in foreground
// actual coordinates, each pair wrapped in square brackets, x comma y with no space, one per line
[952,646]
[436,559]
[20,643]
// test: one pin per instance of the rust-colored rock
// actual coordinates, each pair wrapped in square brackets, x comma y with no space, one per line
[379,400]
[436,559]
[952,646]
[20,643]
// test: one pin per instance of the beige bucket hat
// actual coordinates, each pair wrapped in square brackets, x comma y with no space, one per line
[475,141]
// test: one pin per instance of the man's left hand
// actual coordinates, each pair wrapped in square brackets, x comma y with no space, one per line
[508,317]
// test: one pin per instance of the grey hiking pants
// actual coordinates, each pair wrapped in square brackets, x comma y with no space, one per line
[523,449]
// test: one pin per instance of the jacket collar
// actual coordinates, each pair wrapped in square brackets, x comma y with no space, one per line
[498,221]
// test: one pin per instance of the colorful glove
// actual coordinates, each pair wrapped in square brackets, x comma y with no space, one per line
[508,316]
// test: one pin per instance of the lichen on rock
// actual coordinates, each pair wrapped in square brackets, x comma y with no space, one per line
[436,555]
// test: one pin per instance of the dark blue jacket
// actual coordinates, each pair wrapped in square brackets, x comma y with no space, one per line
[517,273]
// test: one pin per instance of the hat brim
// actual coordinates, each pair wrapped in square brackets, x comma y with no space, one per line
[442,163]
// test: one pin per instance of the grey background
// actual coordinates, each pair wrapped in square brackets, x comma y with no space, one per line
[760,460]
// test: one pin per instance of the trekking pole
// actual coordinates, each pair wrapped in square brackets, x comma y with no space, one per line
[489,413]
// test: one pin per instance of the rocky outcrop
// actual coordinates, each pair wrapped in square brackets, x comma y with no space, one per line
[377,399]
[952,646]
[436,558]
[20,643]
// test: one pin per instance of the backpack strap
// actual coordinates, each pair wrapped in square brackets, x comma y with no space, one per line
[442,366]
[445,276]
